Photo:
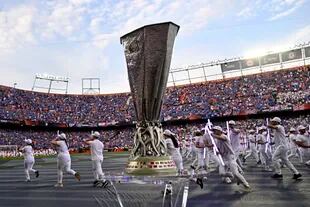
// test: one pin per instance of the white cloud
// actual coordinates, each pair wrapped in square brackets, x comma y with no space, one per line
[245,13]
[16,27]
[285,8]
[62,19]
[300,36]
[272,9]
[283,43]
[80,2]
[81,37]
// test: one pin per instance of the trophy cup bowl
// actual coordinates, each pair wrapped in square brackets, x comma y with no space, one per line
[148,52]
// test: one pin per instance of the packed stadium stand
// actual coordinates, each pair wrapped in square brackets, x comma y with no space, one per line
[270,91]
[282,90]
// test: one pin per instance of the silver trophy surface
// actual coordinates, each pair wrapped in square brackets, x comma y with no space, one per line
[148,52]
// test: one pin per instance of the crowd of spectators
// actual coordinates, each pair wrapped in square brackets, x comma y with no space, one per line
[270,91]
[42,139]
[123,138]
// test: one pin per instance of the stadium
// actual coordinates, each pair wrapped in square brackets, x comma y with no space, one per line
[235,137]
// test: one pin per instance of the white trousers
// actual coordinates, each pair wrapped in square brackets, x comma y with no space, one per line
[296,151]
[253,152]
[64,165]
[200,158]
[265,157]
[97,169]
[231,169]
[281,154]
[237,158]
[28,164]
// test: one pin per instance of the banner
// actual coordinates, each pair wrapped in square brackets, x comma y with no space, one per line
[235,65]
[270,59]
[291,55]
[307,51]
[248,63]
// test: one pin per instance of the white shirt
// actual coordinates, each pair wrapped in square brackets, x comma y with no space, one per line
[225,147]
[171,149]
[96,148]
[292,138]
[235,140]
[279,136]
[28,152]
[200,141]
[62,148]
[193,144]
[302,138]
[252,141]
[262,138]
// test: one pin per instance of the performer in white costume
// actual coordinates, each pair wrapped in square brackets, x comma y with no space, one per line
[235,141]
[225,148]
[294,149]
[29,159]
[265,156]
[63,159]
[96,149]
[280,153]
[173,149]
[303,141]
[211,155]
[253,144]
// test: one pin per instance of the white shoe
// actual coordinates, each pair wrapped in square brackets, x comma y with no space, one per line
[247,187]
[227,180]
[59,185]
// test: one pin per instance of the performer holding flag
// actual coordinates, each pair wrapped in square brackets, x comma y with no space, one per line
[216,155]
[233,134]
[225,148]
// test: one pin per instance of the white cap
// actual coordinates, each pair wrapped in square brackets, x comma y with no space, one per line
[95,134]
[301,127]
[232,122]
[261,128]
[292,129]
[252,131]
[168,132]
[217,128]
[276,119]
[28,141]
[62,136]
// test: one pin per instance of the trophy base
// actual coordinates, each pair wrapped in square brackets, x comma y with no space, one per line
[151,166]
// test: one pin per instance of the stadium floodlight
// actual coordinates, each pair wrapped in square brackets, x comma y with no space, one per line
[90,86]
[43,77]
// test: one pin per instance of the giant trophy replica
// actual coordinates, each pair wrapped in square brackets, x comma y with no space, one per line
[148,53]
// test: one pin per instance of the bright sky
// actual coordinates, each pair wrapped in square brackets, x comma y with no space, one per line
[80,38]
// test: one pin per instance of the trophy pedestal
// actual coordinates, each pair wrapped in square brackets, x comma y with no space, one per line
[162,165]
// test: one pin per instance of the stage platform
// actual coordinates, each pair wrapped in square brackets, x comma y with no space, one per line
[145,191]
